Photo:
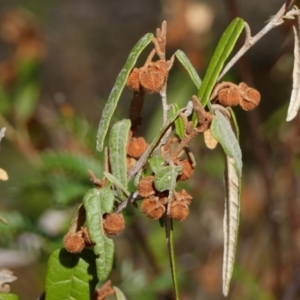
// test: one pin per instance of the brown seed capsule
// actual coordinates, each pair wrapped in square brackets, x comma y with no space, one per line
[250,97]
[178,211]
[113,223]
[74,242]
[136,147]
[133,80]
[182,197]
[153,208]
[229,96]
[146,187]
[153,76]
[187,170]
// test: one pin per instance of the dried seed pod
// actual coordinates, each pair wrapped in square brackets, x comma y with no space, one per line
[153,76]
[133,80]
[136,147]
[183,197]
[229,96]
[113,223]
[153,208]
[250,97]
[178,211]
[187,170]
[74,242]
[146,187]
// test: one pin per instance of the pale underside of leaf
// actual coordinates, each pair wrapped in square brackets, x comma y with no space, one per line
[119,293]
[118,140]
[96,203]
[231,221]
[295,97]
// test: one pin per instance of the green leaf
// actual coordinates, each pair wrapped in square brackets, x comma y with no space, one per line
[235,123]
[223,50]
[71,276]
[156,163]
[117,145]
[4,296]
[119,294]
[165,178]
[189,67]
[98,202]
[222,132]
[118,87]
[117,183]
[179,123]
[231,220]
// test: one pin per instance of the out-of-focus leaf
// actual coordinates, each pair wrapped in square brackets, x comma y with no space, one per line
[117,144]
[2,133]
[26,99]
[295,97]
[223,133]
[98,202]
[117,89]
[179,123]
[231,220]
[223,50]
[71,276]
[165,178]
[156,163]
[6,276]
[116,182]
[4,296]
[189,67]
[74,163]
[119,294]
[3,175]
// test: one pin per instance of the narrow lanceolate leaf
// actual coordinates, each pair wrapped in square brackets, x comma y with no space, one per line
[179,123]
[223,133]
[117,145]
[5,296]
[71,276]
[223,50]
[96,203]
[118,87]
[231,220]
[189,67]
[295,97]
[119,294]
[116,182]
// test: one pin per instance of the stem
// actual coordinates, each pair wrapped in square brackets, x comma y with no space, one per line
[251,41]
[170,244]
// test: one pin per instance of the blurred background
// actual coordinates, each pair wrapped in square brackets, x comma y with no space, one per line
[58,63]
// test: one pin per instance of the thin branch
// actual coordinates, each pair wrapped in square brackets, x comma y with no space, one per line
[251,41]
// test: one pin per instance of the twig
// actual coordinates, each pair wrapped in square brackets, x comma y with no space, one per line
[251,41]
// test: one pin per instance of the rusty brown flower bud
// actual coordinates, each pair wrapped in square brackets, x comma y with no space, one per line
[153,208]
[250,97]
[113,223]
[187,170]
[136,147]
[74,242]
[153,76]
[133,80]
[146,187]
[229,96]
